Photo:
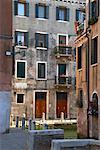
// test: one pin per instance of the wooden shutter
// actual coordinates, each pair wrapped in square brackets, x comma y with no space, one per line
[77,15]
[15,7]
[27,9]
[26,38]
[36,39]
[21,69]
[57,13]
[46,40]
[47,12]
[67,14]
[36,10]
[16,34]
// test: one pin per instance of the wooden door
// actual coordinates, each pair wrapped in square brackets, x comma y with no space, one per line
[61,105]
[40,104]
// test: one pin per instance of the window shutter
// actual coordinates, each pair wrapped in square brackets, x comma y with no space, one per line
[16,34]
[67,14]
[26,38]
[36,39]
[46,40]
[27,9]
[15,7]
[97,8]
[47,12]
[57,13]
[77,15]
[36,10]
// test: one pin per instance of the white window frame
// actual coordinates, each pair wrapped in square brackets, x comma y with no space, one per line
[62,35]
[42,48]
[41,62]
[23,98]
[23,31]
[16,69]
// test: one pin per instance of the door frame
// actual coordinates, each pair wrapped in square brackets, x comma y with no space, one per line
[56,102]
[47,102]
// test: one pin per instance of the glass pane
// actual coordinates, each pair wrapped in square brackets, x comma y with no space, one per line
[41,70]
[21,69]
[20,98]
[20,39]
[61,14]
[21,9]
[41,12]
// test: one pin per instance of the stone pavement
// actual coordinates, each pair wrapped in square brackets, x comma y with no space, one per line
[15,140]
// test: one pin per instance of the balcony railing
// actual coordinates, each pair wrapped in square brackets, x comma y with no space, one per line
[63,80]
[79,27]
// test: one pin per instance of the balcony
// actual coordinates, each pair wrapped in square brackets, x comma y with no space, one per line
[63,51]
[63,81]
[79,27]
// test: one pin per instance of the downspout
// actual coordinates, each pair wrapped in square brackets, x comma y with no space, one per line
[88,72]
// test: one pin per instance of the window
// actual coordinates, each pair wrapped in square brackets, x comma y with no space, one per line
[79,65]
[80,98]
[21,38]
[20,98]
[41,40]
[94,50]
[80,16]
[94,9]
[20,69]
[41,70]
[41,11]
[21,8]
[62,13]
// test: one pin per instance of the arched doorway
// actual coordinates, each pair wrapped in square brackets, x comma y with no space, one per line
[95,116]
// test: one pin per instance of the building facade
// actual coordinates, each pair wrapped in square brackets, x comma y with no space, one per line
[88,70]
[43,47]
[5,63]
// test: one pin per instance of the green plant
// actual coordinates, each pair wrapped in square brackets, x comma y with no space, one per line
[93,20]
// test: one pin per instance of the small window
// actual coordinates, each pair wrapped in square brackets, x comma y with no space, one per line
[41,11]
[21,8]
[41,68]
[63,40]
[21,38]
[41,40]
[20,98]
[94,50]
[80,16]
[62,13]
[79,65]
[21,69]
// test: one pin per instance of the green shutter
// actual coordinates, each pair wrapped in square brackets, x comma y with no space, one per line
[36,10]
[15,7]
[27,9]
[26,38]
[20,69]
[67,14]
[47,12]
[57,13]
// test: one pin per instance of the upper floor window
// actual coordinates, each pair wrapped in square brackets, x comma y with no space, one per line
[94,9]
[62,13]
[21,38]
[21,8]
[20,98]
[41,70]
[41,40]
[42,11]
[20,69]
[80,16]
[79,65]
[94,50]
[63,39]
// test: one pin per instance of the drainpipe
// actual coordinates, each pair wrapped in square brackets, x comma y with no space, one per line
[88,72]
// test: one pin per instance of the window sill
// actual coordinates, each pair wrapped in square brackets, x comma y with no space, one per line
[20,78]
[42,19]
[39,79]
[19,16]
[79,69]
[93,65]
[18,46]
[62,21]
[41,48]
